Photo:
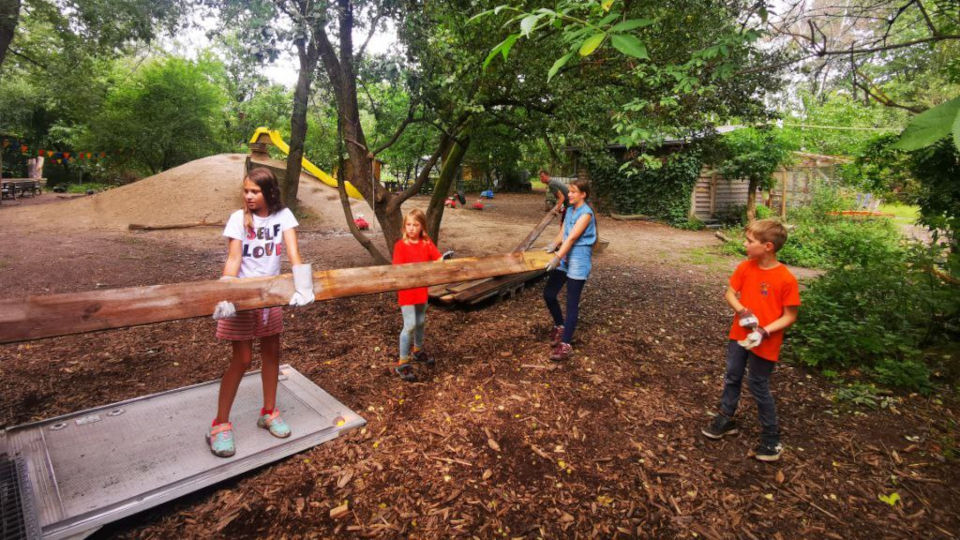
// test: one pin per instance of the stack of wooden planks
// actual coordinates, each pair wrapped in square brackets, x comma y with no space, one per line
[475,291]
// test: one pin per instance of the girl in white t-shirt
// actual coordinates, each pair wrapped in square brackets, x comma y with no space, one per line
[257,237]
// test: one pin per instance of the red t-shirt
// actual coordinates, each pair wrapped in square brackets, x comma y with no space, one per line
[403,253]
[766,293]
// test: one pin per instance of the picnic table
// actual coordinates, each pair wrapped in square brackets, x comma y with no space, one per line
[12,188]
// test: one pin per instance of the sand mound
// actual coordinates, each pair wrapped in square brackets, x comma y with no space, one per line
[206,189]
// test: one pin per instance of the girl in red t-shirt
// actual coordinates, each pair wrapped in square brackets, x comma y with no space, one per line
[415,246]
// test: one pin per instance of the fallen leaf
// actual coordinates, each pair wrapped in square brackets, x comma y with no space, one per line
[890,499]
[780,477]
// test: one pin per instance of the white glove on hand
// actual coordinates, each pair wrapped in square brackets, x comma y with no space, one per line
[551,248]
[553,264]
[303,285]
[747,319]
[224,310]
[752,340]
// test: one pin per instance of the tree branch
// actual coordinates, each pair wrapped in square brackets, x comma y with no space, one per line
[399,130]
[445,143]
[373,28]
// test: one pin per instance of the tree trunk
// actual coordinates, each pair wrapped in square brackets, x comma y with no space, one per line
[9,16]
[298,123]
[447,174]
[752,201]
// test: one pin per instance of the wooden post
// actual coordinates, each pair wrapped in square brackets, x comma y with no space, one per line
[36,317]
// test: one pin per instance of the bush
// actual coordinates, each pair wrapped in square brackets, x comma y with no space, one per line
[880,312]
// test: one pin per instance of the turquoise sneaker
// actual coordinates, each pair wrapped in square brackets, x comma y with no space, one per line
[220,440]
[273,423]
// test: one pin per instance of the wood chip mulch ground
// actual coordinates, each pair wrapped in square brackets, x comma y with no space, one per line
[496,441]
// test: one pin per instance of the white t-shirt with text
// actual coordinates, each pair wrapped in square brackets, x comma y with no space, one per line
[263,246]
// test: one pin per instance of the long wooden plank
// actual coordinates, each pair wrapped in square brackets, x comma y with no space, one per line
[456,291]
[36,317]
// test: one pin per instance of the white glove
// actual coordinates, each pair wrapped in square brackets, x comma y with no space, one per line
[303,285]
[551,248]
[752,340]
[747,319]
[553,264]
[224,310]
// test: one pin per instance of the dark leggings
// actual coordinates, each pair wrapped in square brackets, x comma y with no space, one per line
[552,290]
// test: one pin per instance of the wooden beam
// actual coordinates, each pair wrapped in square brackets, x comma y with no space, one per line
[36,317]
[527,242]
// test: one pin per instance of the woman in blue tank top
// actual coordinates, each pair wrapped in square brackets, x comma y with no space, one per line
[571,264]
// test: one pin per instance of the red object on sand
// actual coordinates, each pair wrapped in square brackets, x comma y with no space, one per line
[361,223]
[477,205]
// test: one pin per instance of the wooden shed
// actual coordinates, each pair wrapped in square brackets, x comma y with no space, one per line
[794,187]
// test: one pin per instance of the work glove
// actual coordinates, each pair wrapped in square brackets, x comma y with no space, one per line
[224,309]
[447,255]
[747,319]
[754,338]
[553,264]
[303,285]
[551,248]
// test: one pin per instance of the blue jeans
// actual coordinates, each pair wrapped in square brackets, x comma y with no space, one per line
[414,317]
[574,288]
[758,381]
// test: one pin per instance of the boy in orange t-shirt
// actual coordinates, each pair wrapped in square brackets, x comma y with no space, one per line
[766,299]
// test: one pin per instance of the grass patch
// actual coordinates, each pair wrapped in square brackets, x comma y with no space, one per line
[903,214]
[707,256]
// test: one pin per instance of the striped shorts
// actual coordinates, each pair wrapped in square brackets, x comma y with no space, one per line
[253,324]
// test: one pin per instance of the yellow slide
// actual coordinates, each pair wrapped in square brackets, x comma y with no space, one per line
[307,166]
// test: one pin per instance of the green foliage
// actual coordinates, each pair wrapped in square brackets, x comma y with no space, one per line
[878,311]
[883,170]
[937,169]
[665,69]
[661,192]
[837,124]
[753,154]
[87,186]
[932,125]
[167,113]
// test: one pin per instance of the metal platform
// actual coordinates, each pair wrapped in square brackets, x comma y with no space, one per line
[86,469]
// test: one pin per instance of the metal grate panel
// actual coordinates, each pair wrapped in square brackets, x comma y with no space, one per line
[96,466]
[17,519]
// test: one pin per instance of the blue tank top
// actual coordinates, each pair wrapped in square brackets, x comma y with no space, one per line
[589,236]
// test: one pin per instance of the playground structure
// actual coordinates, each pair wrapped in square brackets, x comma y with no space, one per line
[263,137]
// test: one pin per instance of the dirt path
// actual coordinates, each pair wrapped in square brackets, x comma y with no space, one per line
[607,444]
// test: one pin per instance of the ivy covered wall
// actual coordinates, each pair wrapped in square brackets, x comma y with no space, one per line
[662,193]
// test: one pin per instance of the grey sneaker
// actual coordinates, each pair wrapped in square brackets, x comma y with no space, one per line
[768,451]
[720,427]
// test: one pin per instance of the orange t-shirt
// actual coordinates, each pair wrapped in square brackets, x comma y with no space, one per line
[766,293]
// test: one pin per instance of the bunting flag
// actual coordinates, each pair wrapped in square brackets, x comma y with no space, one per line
[58,157]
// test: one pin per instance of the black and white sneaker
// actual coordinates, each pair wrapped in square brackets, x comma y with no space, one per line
[721,426]
[768,451]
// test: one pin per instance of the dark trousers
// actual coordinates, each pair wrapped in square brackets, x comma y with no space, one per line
[740,360]
[574,288]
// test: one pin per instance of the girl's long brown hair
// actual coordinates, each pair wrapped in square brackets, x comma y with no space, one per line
[267,182]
